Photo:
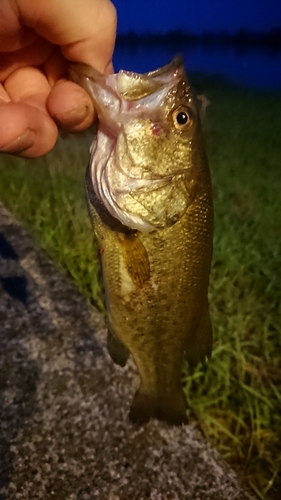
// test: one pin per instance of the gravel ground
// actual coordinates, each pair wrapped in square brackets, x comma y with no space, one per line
[64,429]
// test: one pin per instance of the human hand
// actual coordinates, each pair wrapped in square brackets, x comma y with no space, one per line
[38,38]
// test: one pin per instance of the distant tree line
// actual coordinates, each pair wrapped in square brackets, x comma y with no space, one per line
[270,40]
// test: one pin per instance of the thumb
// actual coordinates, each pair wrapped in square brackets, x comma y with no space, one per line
[84,30]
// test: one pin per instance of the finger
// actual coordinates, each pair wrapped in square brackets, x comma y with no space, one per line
[25,130]
[86,32]
[25,82]
[70,106]
[13,34]
[34,54]
[55,68]
[3,95]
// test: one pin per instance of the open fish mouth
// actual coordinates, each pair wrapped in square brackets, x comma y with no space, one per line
[122,96]
[120,100]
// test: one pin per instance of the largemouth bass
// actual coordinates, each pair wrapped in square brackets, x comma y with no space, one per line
[149,193]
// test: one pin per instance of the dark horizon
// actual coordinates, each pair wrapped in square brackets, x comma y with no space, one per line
[276,28]
[270,39]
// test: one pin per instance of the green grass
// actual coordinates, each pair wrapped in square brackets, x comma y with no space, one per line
[236,398]
[48,196]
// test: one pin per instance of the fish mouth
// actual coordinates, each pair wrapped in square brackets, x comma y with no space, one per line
[118,99]
[125,95]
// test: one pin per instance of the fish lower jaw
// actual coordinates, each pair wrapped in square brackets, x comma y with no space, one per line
[128,207]
[116,206]
[109,188]
[126,197]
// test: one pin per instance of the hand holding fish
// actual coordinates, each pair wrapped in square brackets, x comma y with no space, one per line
[37,41]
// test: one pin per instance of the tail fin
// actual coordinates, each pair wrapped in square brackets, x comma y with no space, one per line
[170,409]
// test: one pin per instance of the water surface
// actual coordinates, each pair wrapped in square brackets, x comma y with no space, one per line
[256,68]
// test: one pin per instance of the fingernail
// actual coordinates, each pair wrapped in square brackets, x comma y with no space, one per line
[20,144]
[73,117]
[4,100]
[109,69]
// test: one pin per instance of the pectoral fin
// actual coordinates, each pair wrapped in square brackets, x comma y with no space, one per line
[136,258]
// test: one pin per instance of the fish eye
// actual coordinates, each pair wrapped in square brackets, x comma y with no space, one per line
[181,118]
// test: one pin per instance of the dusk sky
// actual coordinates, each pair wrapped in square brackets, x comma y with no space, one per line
[197,16]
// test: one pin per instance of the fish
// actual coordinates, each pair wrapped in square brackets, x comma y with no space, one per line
[149,193]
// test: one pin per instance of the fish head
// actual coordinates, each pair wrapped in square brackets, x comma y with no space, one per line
[142,158]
